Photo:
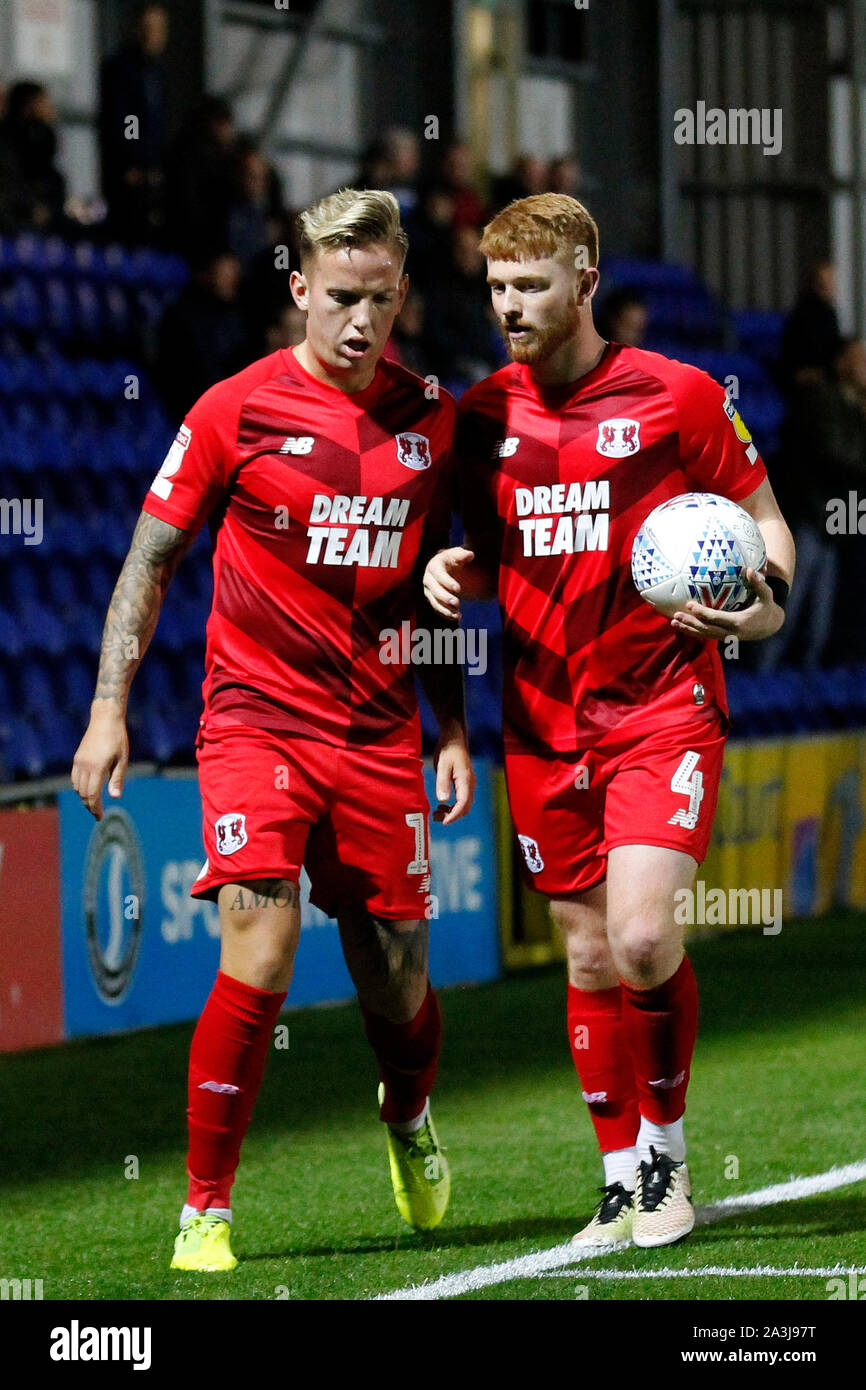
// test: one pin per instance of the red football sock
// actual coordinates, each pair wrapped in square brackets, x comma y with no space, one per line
[408,1054]
[601,1055]
[661,1025]
[226,1064]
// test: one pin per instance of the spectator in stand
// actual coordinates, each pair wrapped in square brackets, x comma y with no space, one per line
[375,170]
[457,177]
[462,338]
[811,336]
[529,175]
[254,205]
[823,458]
[286,327]
[202,336]
[430,236]
[35,190]
[133,83]
[403,166]
[565,177]
[407,343]
[265,294]
[200,179]
[625,317]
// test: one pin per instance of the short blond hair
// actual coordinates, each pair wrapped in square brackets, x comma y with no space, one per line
[351,217]
[543,225]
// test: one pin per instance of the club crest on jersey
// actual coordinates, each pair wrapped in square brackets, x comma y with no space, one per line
[413,451]
[618,438]
[531,854]
[231,832]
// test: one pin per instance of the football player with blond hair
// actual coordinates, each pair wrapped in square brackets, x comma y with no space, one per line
[322,471]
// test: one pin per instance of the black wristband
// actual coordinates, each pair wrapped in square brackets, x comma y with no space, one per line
[780,590]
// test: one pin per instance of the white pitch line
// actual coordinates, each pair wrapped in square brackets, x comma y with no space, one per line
[724,1271]
[531,1266]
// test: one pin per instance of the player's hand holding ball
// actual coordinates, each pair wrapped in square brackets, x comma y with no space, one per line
[699,559]
[762,618]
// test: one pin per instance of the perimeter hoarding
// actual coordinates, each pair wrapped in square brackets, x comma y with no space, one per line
[31,1012]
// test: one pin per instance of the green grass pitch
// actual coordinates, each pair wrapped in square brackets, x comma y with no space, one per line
[777,1092]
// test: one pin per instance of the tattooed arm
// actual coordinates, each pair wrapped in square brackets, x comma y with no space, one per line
[155,553]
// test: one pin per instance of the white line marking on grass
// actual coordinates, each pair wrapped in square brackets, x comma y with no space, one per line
[531,1266]
[725,1271]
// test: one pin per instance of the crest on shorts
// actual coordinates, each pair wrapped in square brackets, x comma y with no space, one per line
[618,438]
[531,854]
[231,832]
[413,451]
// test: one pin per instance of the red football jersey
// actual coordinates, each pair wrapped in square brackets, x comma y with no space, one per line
[556,483]
[323,507]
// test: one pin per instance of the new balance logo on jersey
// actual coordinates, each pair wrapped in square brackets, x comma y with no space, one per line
[413,451]
[506,447]
[297,444]
[618,438]
[531,854]
[223,1088]
[231,832]
[594,1097]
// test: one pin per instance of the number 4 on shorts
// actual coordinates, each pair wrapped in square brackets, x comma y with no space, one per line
[687,781]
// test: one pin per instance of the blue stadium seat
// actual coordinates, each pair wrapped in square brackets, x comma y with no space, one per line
[60,588]
[18,450]
[8,700]
[86,630]
[36,692]
[59,307]
[41,628]
[87,310]
[11,639]
[22,582]
[79,680]
[164,737]
[100,577]
[20,750]
[155,681]
[59,737]
[759,331]
[647,275]
[21,304]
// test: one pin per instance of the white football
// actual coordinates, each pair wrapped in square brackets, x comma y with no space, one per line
[697,546]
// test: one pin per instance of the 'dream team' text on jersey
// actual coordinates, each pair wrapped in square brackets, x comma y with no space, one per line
[555,484]
[323,506]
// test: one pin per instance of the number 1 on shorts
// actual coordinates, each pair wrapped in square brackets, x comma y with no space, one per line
[416,820]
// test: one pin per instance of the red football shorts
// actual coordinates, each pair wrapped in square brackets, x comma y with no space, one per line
[355,818]
[658,789]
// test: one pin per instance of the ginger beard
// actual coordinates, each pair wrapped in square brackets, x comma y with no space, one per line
[545,331]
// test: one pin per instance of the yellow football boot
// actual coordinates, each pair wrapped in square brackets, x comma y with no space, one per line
[419,1175]
[203,1244]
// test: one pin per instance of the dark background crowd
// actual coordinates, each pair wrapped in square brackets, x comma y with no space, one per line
[207,192]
